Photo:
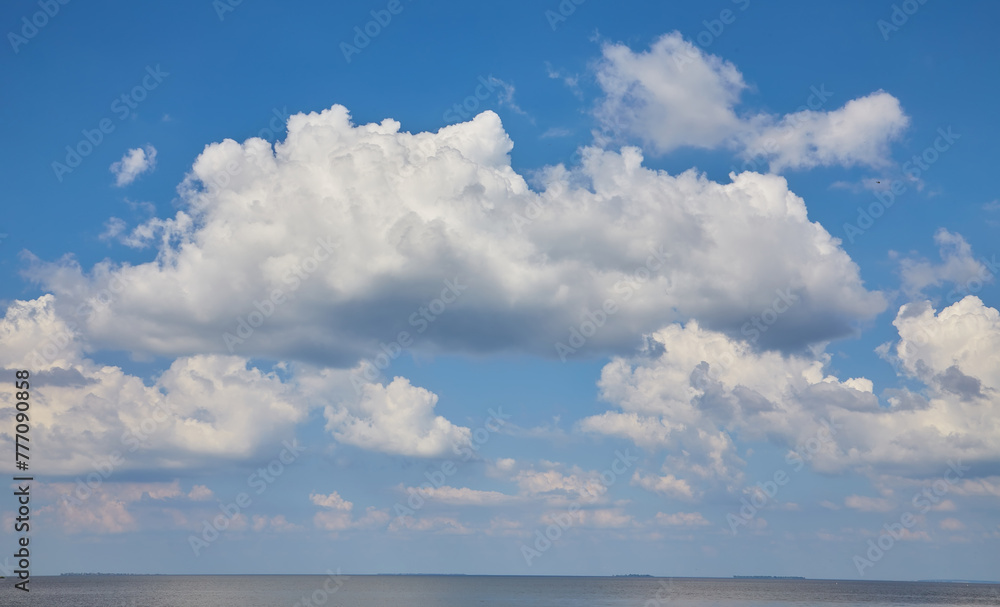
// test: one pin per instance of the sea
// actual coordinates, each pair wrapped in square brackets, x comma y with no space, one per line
[479,591]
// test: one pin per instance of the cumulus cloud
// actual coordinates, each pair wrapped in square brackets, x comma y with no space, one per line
[688,397]
[92,415]
[338,239]
[332,501]
[277,523]
[859,133]
[667,485]
[111,507]
[675,95]
[395,418]
[135,162]
[672,95]
[868,504]
[337,514]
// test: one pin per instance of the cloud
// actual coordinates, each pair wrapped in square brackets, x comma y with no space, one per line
[599,518]
[112,507]
[463,496]
[337,514]
[200,493]
[332,501]
[277,523]
[668,485]
[868,504]
[952,524]
[675,95]
[203,406]
[698,387]
[859,133]
[556,132]
[339,236]
[437,524]
[681,519]
[559,488]
[135,162]
[395,418]
[670,96]
[958,266]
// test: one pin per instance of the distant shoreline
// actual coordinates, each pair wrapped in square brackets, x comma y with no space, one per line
[629,575]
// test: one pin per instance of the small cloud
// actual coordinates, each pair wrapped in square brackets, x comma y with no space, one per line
[277,523]
[958,266]
[134,163]
[200,493]
[571,81]
[829,505]
[112,229]
[952,524]
[868,504]
[556,131]
[993,205]
[505,96]
[147,208]
[681,519]
[332,501]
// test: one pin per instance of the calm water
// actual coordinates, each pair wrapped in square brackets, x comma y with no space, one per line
[475,591]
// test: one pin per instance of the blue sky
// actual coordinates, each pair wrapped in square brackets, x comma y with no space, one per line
[682,184]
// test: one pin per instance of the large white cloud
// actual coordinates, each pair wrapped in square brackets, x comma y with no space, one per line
[694,389]
[93,418]
[675,95]
[342,236]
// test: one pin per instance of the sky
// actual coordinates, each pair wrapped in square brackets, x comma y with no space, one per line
[543,288]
